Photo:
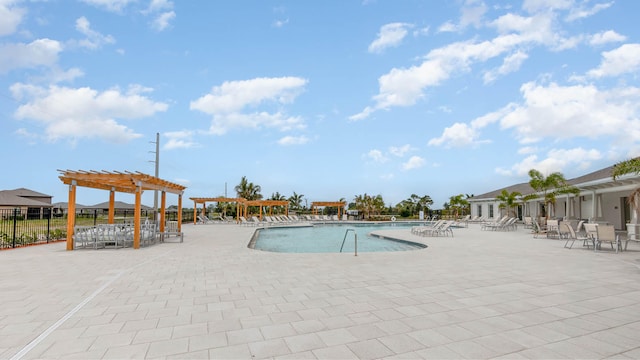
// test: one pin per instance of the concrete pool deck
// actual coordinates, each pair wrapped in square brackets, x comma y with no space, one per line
[480,294]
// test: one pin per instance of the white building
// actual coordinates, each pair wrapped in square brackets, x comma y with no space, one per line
[601,199]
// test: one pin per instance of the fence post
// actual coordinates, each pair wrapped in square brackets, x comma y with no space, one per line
[49,226]
[15,224]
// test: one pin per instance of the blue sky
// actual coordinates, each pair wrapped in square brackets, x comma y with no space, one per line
[329,99]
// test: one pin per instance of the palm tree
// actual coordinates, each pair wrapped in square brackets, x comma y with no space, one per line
[457,203]
[631,166]
[248,190]
[550,186]
[369,204]
[295,201]
[508,200]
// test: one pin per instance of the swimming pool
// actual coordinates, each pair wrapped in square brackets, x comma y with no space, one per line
[328,238]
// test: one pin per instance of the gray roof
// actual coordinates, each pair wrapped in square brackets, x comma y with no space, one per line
[26,193]
[7,198]
[525,188]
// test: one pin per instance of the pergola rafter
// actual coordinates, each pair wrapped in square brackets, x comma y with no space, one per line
[115,181]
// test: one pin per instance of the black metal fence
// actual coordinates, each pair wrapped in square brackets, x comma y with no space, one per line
[37,226]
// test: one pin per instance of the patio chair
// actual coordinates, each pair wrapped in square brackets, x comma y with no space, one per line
[553,228]
[607,234]
[494,224]
[538,230]
[573,236]
[591,231]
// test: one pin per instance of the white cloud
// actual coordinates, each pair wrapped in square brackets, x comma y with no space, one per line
[11,15]
[556,160]
[293,140]
[158,6]
[414,162]
[400,151]
[606,37]
[94,39]
[471,14]
[228,102]
[280,23]
[625,59]
[581,12]
[534,6]
[76,113]
[41,52]
[162,12]
[390,35]
[179,140]
[405,86]
[510,64]
[457,135]
[162,21]
[377,156]
[527,150]
[565,112]
[109,5]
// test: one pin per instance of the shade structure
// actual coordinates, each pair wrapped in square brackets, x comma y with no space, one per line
[269,203]
[126,182]
[339,204]
[204,200]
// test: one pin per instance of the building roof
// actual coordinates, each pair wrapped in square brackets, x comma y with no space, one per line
[23,197]
[7,198]
[27,193]
[598,179]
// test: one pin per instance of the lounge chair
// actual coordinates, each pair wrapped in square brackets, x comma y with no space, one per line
[538,230]
[495,224]
[424,229]
[573,236]
[591,231]
[607,234]
[553,228]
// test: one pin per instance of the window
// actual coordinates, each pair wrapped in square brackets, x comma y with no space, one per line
[491,211]
[479,210]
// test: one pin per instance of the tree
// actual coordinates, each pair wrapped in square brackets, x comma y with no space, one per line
[550,186]
[369,205]
[295,201]
[457,203]
[248,190]
[508,200]
[631,166]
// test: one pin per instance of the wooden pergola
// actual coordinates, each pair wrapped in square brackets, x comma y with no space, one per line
[126,182]
[205,200]
[339,204]
[269,203]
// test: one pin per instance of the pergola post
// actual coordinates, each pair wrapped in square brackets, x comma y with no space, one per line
[195,212]
[112,205]
[180,213]
[136,218]
[71,214]
[163,204]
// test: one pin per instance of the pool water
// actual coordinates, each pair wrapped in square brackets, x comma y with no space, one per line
[328,238]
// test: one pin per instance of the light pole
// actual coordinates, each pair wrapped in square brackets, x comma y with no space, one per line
[157,173]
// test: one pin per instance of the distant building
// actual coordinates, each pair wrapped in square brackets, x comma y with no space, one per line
[28,203]
[601,199]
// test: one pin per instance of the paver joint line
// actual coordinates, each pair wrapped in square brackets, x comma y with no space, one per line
[77,308]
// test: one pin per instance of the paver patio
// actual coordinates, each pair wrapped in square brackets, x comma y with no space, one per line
[480,294]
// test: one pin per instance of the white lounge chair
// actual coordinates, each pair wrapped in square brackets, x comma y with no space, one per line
[607,234]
